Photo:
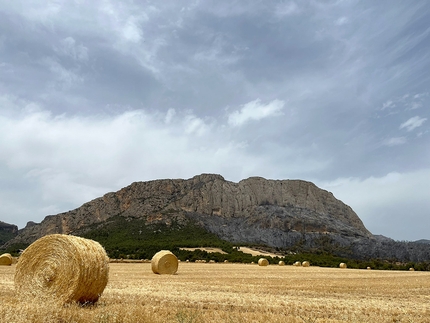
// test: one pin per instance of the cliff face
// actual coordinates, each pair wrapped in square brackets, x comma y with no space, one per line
[277,213]
[7,232]
[286,205]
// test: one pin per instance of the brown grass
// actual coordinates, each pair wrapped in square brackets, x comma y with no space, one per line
[237,293]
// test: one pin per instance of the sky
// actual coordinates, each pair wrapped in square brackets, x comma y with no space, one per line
[96,95]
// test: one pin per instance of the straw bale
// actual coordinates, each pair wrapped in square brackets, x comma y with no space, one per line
[411,269]
[306,264]
[342,265]
[164,262]
[281,263]
[6,259]
[263,262]
[297,264]
[63,268]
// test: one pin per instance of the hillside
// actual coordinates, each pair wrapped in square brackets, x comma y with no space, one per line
[284,214]
[7,232]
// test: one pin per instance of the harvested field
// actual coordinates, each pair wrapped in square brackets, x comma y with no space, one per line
[237,293]
[207,249]
[258,252]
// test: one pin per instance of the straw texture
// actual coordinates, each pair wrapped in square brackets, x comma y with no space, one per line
[263,262]
[5,259]
[164,262]
[64,268]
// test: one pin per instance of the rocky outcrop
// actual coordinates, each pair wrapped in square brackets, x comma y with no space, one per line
[7,232]
[277,213]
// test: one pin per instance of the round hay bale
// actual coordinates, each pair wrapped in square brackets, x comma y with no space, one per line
[6,259]
[368,268]
[411,269]
[297,264]
[306,263]
[164,262]
[263,262]
[281,263]
[63,268]
[342,265]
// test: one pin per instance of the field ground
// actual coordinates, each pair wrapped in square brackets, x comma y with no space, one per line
[242,293]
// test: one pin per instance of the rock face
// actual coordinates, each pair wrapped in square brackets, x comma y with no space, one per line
[7,231]
[277,213]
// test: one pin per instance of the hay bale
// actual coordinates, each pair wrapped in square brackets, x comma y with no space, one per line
[6,259]
[411,269]
[306,263]
[342,265]
[164,262]
[297,264]
[263,262]
[63,268]
[281,263]
[368,268]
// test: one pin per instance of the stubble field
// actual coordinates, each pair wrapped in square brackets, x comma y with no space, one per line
[236,293]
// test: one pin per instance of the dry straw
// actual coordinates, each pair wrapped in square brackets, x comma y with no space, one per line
[63,268]
[263,262]
[164,262]
[281,263]
[6,259]
[297,264]
[306,263]
[342,265]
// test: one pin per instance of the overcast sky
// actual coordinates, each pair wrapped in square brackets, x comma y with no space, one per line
[95,95]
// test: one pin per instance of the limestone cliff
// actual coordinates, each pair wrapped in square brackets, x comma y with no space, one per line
[277,213]
[287,205]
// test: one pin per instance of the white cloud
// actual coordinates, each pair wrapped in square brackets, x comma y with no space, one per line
[396,141]
[70,48]
[388,105]
[412,123]
[254,110]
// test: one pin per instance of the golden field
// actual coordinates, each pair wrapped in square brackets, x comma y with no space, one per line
[240,293]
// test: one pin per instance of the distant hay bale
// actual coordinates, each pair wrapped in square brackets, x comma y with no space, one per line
[164,262]
[368,268]
[63,268]
[226,261]
[297,264]
[306,263]
[411,269]
[281,263]
[263,262]
[342,265]
[6,259]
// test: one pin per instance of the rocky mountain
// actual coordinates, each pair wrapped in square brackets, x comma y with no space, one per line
[284,214]
[7,232]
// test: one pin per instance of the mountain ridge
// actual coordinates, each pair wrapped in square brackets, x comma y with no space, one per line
[282,214]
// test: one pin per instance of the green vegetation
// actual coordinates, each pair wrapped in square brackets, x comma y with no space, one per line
[132,238]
